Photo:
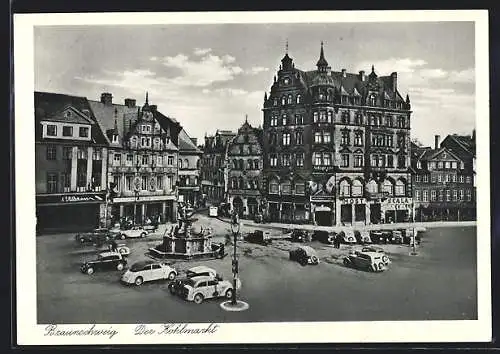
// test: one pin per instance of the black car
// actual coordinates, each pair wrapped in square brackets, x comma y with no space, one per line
[104,261]
[259,237]
[324,237]
[298,235]
[97,236]
[380,236]
[396,237]
[304,255]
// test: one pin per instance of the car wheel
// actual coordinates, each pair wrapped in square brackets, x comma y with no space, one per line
[385,259]
[143,235]
[171,276]
[303,262]
[346,262]
[229,293]
[381,266]
[198,298]
[107,238]
[373,268]
[314,260]
[122,236]
[90,271]
[119,266]
[138,281]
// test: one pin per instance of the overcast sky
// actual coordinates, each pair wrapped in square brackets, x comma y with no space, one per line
[209,76]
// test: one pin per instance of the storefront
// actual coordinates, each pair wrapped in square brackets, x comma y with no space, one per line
[139,212]
[397,210]
[69,212]
[353,211]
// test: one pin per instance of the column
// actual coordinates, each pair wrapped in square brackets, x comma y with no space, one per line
[313,207]
[144,209]
[338,208]
[174,211]
[121,210]
[367,214]
[353,215]
[163,211]
[74,159]
[245,206]
[89,166]
[280,210]
[104,171]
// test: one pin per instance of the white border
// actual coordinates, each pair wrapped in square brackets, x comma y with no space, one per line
[29,333]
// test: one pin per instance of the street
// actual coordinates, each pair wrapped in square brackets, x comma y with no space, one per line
[437,284]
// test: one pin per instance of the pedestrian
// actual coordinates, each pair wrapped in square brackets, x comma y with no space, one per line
[113,246]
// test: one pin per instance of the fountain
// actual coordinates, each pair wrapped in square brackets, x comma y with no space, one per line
[182,241]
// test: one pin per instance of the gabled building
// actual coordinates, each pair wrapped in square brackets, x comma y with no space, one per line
[336,146]
[213,166]
[245,171]
[70,164]
[442,184]
[142,159]
[189,169]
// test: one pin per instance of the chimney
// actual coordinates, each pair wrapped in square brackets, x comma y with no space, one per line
[106,98]
[394,80]
[362,75]
[344,73]
[195,141]
[436,141]
[129,102]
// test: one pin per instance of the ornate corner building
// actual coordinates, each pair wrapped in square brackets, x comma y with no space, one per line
[189,170]
[336,147]
[142,160]
[245,171]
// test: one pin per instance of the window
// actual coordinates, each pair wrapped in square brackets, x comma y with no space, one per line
[286,139]
[299,160]
[322,116]
[358,138]
[298,99]
[417,195]
[66,181]
[290,100]
[330,117]
[117,159]
[344,139]
[453,165]
[418,178]
[283,100]
[401,161]
[440,165]
[390,161]
[286,188]
[419,165]
[130,160]
[327,159]
[67,131]
[448,195]
[433,195]
[273,187]
[447,165]
[425,179]
[274,121]
[299,188]
[315,117]
[358,160]
[425,195]
[298,119]
[256,164]
[357,188]
[400,188]
[461,194]
[129,182]
[326,137]
[284,120]
[318,160]
[345,160]
[51,130]
[345,117]
[67,153]
[433,178]
[144,183]
[273,160]
[145,159]
[51,182]
[440,178]
[170,160]
[387,187]
[431,165]
[159,182]
[372,100]
[52,152]
[461,179]
[97,154]
[83,132]
[467,179]
[446,178]
[455,195]
[286,160]
[390,141]
[345,188]
[299,139]
[317,137]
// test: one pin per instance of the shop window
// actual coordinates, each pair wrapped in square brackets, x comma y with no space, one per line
[299,188]
[286,188]
[400,188]
[357,188]
[345,188]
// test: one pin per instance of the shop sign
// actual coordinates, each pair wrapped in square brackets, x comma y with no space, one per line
[402,200]
[71,198]
[353,201]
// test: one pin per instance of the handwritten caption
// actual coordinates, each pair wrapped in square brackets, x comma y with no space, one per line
[175,328]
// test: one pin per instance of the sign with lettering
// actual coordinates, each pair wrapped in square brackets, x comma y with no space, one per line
[353,201]
[401,200]
[71,198]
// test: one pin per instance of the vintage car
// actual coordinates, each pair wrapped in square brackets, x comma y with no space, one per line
[347,237]
[396,237]
[104,261]
[176,286]
[99,236]
[204,287]
[134,232]
[362,237]
[297,235]
[120,248]
[304,255]
[148,270]
[213,211]
[367,260]
[260,237]
[386,260]
[380,236]
[324,237]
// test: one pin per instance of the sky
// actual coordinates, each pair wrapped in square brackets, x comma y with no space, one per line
[210,76]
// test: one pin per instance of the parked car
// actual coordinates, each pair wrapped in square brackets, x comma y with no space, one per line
[260,237]
[134,232]
[148,270]
[99,236]
[104,261]
[386,260]
[324,237]
[396,237]
[362,237]
[367,260]
[120,248]
[297,235]
[177,286]
[347,237]
[202,287]
[380,236]
[304,255]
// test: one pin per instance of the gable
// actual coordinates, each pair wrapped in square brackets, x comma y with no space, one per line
[444,155]
[69,114]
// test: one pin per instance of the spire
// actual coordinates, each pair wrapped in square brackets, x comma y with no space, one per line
[373,68]
[286,62]
[322,64]
[146,98]
[407,99]
[373,76]
[286,46]
[246,118]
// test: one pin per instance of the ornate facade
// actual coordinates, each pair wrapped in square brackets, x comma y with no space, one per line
[336,146]
[189,170]
[245,171]
[142,160]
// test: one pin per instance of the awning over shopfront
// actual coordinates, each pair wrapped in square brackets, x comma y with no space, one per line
[71,198]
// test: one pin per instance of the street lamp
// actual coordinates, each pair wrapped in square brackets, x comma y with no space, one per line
[234,304]
[136,190]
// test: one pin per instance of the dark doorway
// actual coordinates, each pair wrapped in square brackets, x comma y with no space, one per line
[346,214]
[375,215]
[238,206]
[360,212]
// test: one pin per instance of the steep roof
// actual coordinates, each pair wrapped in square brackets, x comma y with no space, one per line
[48,106]
[186,145]
[106,114]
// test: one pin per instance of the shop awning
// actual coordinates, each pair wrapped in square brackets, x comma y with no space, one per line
[322,208]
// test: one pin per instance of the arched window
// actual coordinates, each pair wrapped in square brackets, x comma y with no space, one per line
[241,164]
[234,183]
[345,188]
[330,117]
[283,100]
[387,188]
[298,99]
[286,187]
[186,163]
[299,139]
[290,99]
[180,163]
[400,189]
[315,117]
[357,188]
[372,187]
[275,102]
[273,187]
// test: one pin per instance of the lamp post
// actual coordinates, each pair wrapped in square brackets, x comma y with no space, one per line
[136,189]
